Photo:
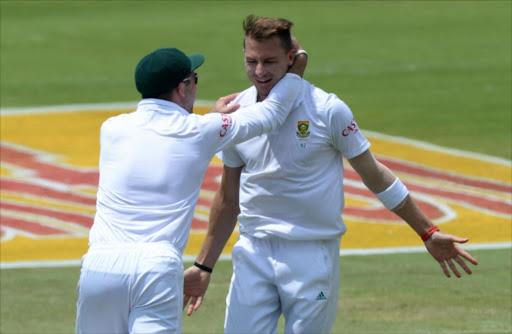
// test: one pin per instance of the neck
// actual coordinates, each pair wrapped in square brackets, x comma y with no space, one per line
[260,97]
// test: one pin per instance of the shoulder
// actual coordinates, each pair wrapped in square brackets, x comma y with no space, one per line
[328,104]
[247,96]
[117,120]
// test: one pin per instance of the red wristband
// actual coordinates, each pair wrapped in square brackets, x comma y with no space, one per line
[425,236]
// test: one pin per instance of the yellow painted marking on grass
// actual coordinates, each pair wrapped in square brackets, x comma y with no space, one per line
[351,201]
[87,190]
[5,171]
[478,227]
[74,139]
[27,249]
[440,160]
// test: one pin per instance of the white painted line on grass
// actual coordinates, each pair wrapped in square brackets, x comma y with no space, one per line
[191,258]
[432,147]
[99,107]
[419,249]
[102,107]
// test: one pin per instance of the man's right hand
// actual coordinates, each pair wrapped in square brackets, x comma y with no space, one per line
[195,283]
[222,105]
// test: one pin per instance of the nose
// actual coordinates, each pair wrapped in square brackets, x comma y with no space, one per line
[260,70]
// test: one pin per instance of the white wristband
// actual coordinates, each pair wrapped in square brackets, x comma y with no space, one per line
[394,195]
[299,52]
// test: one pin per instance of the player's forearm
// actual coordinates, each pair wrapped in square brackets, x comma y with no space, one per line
[279,102]
[390,190]
[405,206]
[412,214]
[299,65]
[223,217]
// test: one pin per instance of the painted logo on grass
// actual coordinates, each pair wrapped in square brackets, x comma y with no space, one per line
[42,198]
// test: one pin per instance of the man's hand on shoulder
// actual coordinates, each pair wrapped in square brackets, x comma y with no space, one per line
[222,105]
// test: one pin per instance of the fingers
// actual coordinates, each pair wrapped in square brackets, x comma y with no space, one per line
[229,98]
[454,268]
[195,303]
[460,240]
[445,269]
[454,238]
[222,105]
[191,306]
[185,301]
[198,302]
[463,265]
[468,257]
[231,108]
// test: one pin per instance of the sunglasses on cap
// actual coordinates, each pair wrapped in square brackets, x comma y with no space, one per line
[194,76]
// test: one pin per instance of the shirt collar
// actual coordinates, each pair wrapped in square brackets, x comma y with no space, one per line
[298,101]
[163,106]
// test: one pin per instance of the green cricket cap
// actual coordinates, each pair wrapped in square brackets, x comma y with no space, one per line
[163,69]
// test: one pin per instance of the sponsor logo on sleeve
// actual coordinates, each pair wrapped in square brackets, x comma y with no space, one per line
[352,128]
[226,124]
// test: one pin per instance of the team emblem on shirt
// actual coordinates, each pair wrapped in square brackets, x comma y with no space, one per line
[303,129]
[303,133]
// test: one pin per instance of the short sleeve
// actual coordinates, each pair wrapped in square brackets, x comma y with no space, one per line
[230,157]
[345,133]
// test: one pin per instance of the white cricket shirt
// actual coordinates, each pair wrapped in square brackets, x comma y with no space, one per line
[153,160]
[292,180]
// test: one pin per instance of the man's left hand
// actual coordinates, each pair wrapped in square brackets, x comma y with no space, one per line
[442,247]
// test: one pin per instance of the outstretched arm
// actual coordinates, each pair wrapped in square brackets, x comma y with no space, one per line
[378,178]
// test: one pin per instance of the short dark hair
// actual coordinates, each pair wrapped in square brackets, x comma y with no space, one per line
[260,28]
[162,96]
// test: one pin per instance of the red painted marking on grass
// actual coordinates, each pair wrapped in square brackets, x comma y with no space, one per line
[380,213]
[409,168]
[47,170]
[210,178]
[48,180]
[497,206]
[204,201]
[31,227]
[199,224]
[44,192]
[82,220]
[478,201]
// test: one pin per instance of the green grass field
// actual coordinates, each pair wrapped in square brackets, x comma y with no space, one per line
[391,294]
[437,71]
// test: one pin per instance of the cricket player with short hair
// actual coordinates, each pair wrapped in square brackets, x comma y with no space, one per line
[286,189]
[152,163]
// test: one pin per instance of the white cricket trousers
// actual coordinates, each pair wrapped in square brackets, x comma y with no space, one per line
[130,288]
[299,279]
